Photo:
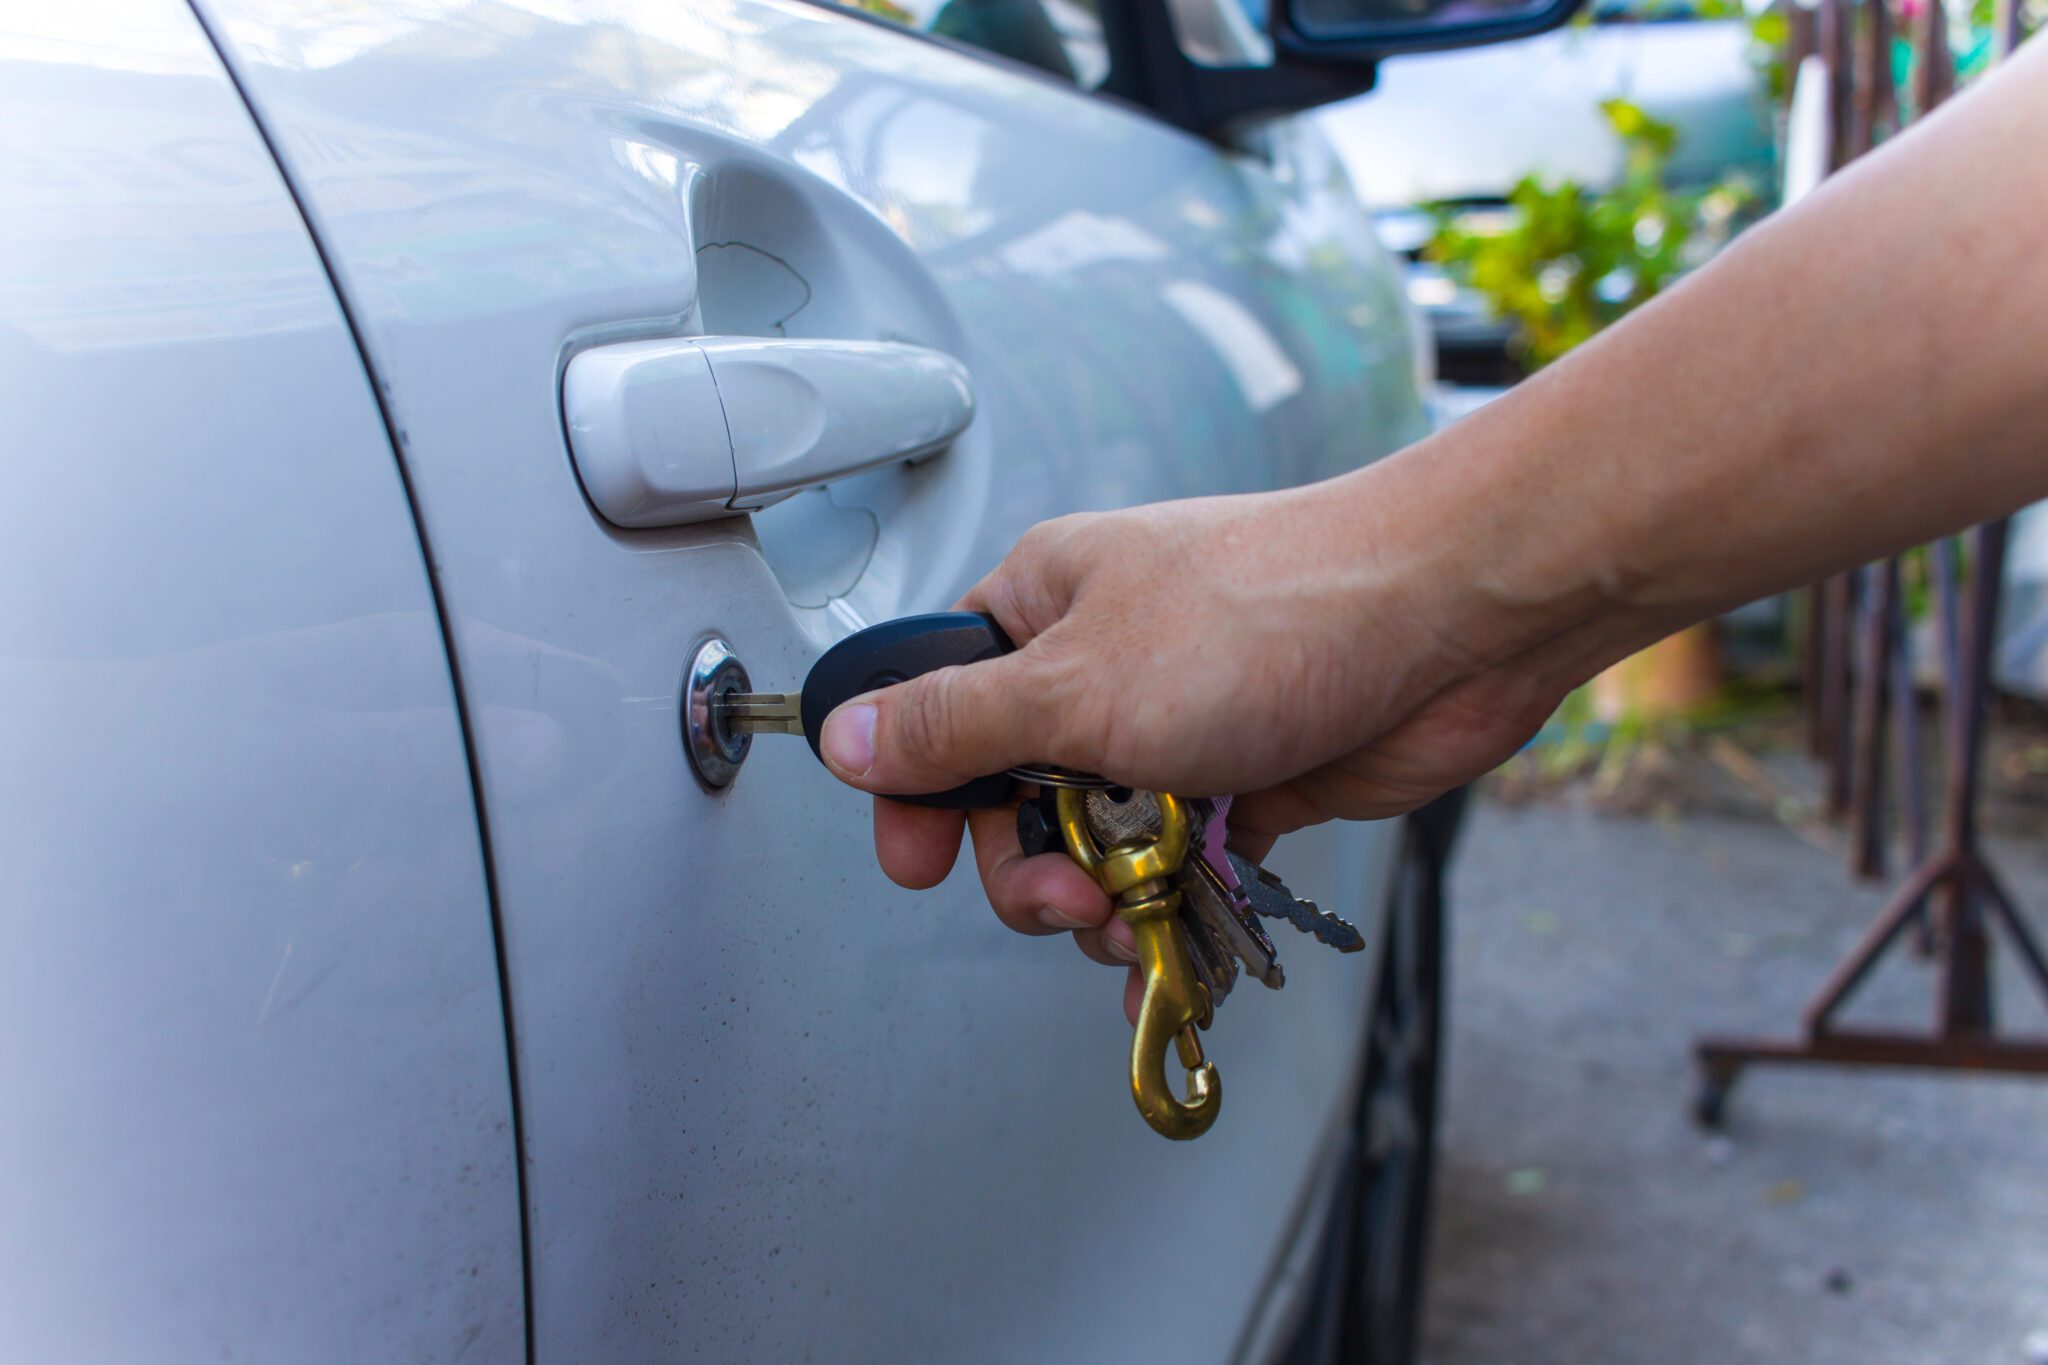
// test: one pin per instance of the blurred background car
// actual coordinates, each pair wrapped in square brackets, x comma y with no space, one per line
[1460,129]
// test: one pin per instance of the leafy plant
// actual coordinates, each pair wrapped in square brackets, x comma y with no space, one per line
[1564,262]
[1770,38]
[885,9]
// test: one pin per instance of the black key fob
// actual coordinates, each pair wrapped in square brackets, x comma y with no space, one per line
[894,652]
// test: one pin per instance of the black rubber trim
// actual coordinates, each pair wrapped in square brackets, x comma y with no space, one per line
[1319,1338]
[1374,41]
[1148,67]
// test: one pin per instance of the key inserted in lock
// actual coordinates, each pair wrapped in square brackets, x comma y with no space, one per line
[1189,902]
[880,656]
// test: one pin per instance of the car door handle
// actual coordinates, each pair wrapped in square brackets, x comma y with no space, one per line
[689,428]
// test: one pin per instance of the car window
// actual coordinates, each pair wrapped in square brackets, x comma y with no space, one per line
[1061,37]
[1222,32]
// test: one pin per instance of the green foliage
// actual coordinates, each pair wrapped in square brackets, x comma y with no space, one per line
[1770,36]
[1564,262]
[885,9]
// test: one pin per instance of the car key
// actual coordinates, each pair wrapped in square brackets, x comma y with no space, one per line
[880,656]
[1236,882]
[1220,925]
[1189,903]
[1269,896]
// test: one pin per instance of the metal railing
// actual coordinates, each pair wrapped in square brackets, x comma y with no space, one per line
[1858,677]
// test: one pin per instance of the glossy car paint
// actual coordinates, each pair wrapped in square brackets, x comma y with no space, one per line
[772,1105]
[253,1095]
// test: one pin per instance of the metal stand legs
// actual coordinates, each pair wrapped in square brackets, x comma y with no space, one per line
[1954,889]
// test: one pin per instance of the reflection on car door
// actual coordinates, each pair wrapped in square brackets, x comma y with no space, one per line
[771,1105]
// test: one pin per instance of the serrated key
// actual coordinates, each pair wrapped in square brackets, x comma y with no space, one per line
[1270,897]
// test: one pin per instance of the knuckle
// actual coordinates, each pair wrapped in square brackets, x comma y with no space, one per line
[1081,722]
[1059,531]
[1034,544]
[924,722]
[1049,686]
[1035,581]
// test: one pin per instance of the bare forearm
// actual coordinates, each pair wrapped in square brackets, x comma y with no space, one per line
[1867,371]
[1860,373]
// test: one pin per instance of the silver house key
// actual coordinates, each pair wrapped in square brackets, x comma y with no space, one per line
[1270,896]
[1222,931]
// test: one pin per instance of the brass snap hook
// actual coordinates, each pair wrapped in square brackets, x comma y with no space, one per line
[1174,1006]
[1175,1003]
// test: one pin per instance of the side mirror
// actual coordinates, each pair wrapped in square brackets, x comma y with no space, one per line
[1367,30]
[1322,50]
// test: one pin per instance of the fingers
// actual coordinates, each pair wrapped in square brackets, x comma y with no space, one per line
[1092,942]
[1252,844]
[1111,945]
[941,728]
[1034,585]
[1048,894]
[1269,814]
[916,845]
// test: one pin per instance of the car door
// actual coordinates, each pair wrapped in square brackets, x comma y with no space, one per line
[770,1106]
[254,1094]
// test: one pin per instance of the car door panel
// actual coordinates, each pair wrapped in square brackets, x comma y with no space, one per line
[772,1105]
[257,1101]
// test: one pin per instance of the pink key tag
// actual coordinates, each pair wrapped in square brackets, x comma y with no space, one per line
[1214,832]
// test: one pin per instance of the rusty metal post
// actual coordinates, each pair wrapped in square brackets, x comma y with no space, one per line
[1867,769]
[1838,620]
[1906,757]
[1812,667]
[1933,69]
[1876,100]
[1956,883]
[1864,83]
[2005,28]
[1967,896]
[1800,39]
[1905,709]
[1832,40]
[1959,921]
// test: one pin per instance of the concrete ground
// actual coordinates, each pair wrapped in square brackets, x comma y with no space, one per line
[1845,1217]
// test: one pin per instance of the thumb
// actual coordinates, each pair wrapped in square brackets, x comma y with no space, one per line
[939,729]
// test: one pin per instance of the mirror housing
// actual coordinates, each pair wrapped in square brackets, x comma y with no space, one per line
[1368,30]
[1323,51]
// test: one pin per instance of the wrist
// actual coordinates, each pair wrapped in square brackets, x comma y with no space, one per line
[1481,537]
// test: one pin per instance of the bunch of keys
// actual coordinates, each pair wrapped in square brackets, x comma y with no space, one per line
[1193,905]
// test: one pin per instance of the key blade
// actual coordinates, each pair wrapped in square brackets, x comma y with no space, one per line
[1212,903]
[1270,897]
[760,713]
[1214,967]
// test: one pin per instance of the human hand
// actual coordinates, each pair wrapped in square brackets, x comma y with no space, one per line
[1298,649]
[1353,648]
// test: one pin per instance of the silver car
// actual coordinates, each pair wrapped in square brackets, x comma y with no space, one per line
[379,980]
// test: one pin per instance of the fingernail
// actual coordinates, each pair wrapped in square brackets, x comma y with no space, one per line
[849,739]
[1117,950]
[1052,917]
